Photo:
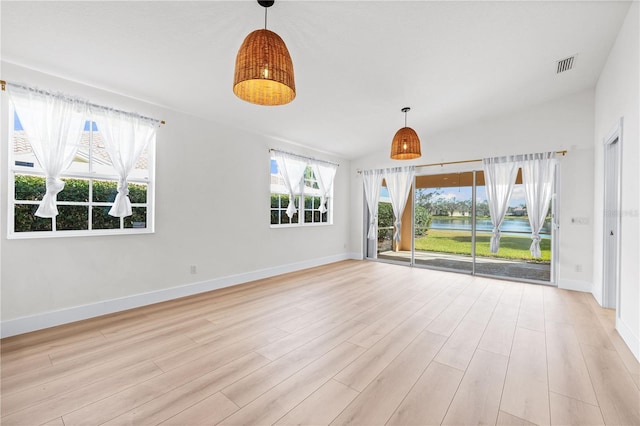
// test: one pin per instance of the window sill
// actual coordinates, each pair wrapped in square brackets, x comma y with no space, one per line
[84,233]
[300,225]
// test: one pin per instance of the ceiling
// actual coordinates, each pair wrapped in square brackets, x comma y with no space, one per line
[357,63]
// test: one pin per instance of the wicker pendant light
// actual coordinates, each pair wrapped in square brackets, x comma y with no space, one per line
[406,144]
[264,70]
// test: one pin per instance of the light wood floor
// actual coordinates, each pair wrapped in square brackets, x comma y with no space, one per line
[350,343]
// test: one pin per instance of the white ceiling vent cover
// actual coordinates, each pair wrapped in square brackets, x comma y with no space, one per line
[565,64]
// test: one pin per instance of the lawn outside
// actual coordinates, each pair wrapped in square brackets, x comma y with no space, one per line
[524,218]
[459,242]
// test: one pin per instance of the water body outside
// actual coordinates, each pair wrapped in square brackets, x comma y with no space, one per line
[510,226]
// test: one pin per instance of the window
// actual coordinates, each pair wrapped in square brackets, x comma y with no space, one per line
[89,192]
[308,204]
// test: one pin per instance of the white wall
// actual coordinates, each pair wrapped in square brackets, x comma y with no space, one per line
[617,95]
[212,211]
[565,123]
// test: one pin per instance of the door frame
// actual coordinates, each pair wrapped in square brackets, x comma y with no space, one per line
[615,136]
[555,224]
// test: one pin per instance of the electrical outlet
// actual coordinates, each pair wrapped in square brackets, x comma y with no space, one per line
[578,268]
[193,269]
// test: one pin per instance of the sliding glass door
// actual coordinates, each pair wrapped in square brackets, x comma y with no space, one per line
[446,225]
[387,247]
[513,259]
[443,221]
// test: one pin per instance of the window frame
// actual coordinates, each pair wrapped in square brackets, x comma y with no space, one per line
[90,175]
[300,199]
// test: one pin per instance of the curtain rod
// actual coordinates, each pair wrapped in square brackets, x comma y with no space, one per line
[446,163]
[303,156]
[3,85]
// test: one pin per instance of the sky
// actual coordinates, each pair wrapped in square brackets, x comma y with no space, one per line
[17,125]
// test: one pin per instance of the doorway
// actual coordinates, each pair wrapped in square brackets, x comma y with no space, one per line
[443,225]
[611,230]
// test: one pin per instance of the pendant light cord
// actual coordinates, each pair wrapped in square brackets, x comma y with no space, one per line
[265,17]
[405,119]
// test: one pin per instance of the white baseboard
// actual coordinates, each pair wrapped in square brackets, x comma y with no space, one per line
[77,313]
[354,255]
[596,290]
[629,337]
[575,285]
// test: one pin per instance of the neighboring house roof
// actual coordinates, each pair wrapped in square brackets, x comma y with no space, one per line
[20,143]
[277,180]
[21,147]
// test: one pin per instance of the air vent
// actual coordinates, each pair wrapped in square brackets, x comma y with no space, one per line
[565,64]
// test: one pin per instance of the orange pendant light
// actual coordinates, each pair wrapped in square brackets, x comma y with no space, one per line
[264,70]
[406,144]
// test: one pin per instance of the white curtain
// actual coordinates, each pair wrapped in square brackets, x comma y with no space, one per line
[53,124]
[399,180]
[537,177]
[499,177]
[291,169]
[372,182]
[325,173]
[125,136]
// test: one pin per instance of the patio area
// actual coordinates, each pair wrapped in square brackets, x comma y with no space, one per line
[516,269]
